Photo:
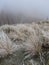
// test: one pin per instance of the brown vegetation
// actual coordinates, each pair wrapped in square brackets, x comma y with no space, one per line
[19,42]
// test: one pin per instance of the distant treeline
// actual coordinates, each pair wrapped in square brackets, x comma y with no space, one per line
[8,18]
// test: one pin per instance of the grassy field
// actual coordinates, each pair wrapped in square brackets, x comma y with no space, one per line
[25,44]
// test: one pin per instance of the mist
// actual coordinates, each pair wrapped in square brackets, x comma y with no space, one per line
[38,9]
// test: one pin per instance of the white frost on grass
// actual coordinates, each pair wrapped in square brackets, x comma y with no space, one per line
[31,36]
[6,46]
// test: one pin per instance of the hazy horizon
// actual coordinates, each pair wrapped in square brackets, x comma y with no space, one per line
[35,8]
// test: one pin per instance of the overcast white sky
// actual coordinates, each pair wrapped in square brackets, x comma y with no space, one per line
[37,7]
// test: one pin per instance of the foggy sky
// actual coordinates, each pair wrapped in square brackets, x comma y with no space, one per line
[36,8]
